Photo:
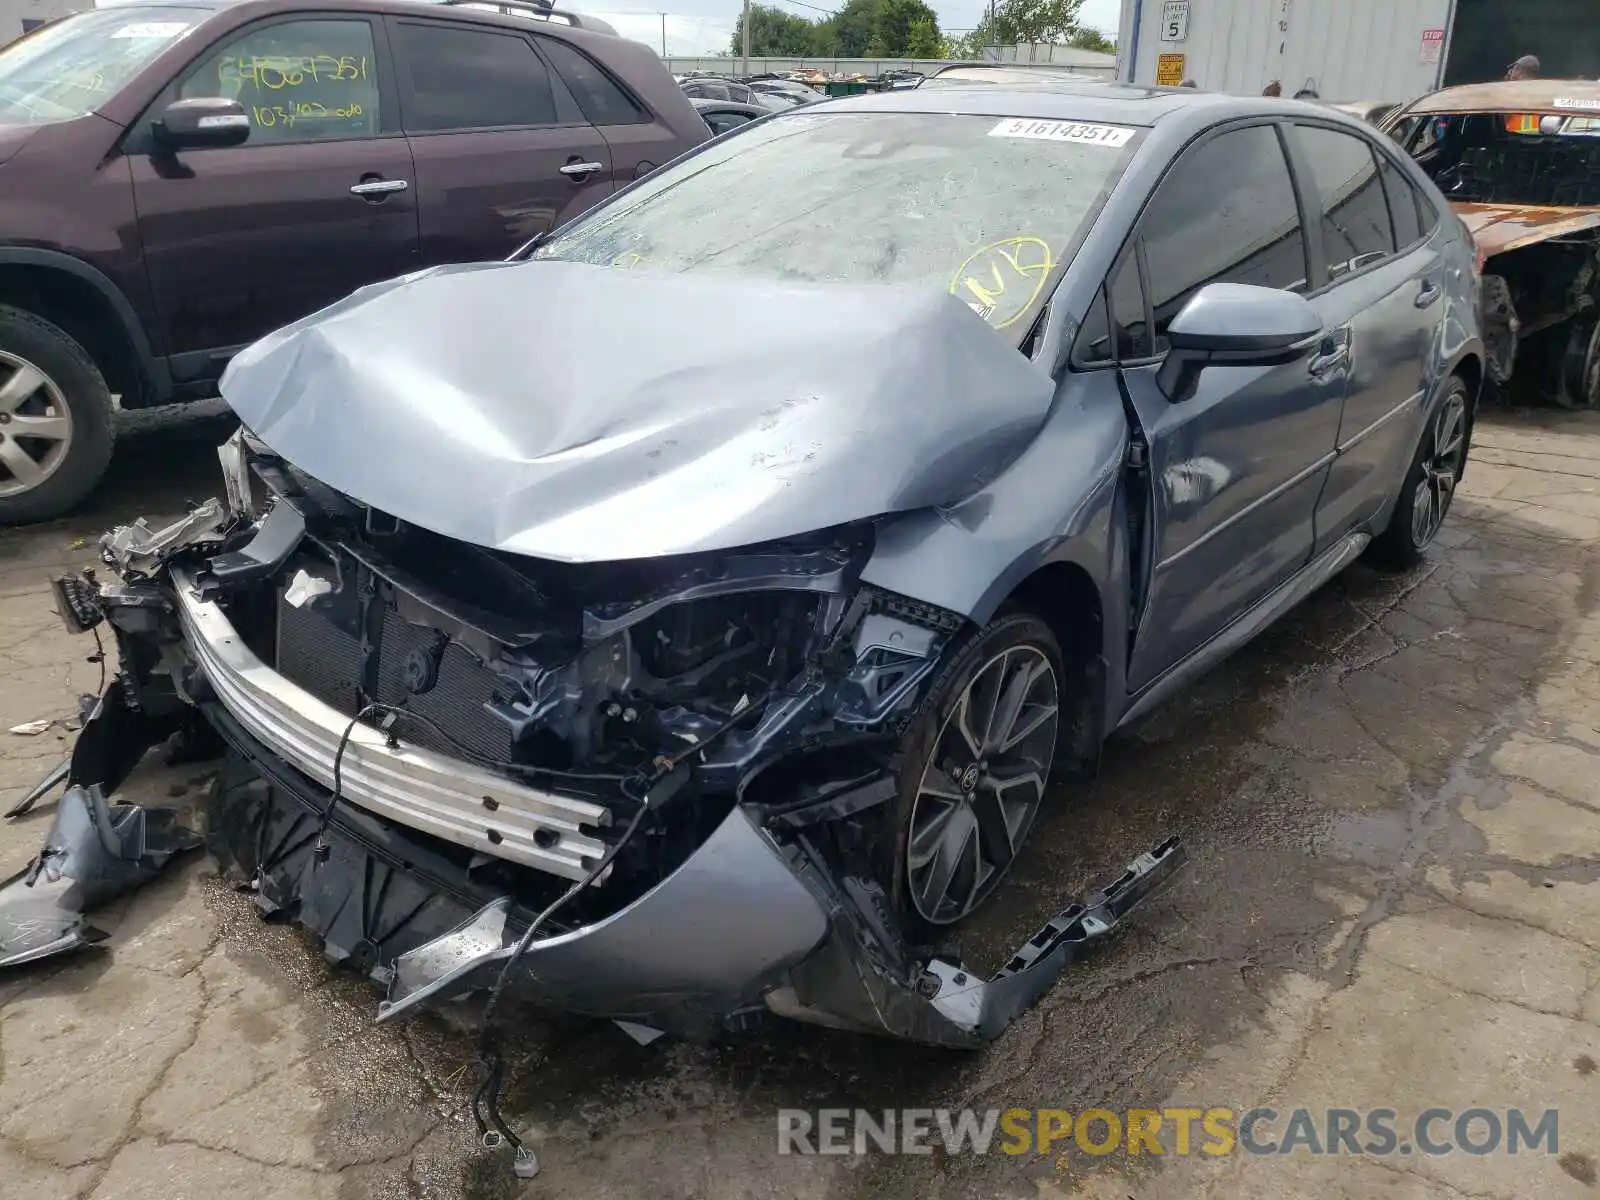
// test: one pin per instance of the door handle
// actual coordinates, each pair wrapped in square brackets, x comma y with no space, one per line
[580,171]
[1430,292]
[1333,355]
[378,187]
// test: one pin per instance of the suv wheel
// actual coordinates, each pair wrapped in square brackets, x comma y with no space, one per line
[55,420]
[976,767]
[1430,483]
[1578,365]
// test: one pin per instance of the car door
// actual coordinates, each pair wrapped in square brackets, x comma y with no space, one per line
[501,154]
[317,202]
[1384,281]
[1235,471]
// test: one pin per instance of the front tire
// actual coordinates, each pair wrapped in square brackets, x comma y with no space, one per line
[1430,483]
[977,762]
[55,420]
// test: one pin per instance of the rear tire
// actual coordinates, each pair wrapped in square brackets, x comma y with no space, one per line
[1430,483]
[976,767]
[1578,364]
[55,420]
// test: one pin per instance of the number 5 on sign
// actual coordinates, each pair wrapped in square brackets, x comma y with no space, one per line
[1175,21]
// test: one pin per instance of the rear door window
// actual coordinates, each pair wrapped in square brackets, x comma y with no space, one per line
[453,77]
[299,81]
[721,122]
[599,96]
[1403,204]
[1225,213]
[1355,213]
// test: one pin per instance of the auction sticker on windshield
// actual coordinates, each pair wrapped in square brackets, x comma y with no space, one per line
[1113,136]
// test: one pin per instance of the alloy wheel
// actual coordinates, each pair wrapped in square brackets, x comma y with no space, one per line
[1440,469]
[35,426]
[982,784]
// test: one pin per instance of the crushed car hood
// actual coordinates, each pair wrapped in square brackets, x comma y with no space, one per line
[1498,228]
[583,413]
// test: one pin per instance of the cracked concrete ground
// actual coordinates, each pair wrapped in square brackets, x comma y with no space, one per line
[1392,805]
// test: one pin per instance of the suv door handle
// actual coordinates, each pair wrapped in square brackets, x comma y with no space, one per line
[579,171]
[378,187]
[1430,292]
[1332,355]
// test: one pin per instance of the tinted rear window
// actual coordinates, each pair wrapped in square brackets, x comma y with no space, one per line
[602,99]
[470,79]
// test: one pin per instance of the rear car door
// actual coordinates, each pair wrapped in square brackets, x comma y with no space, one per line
[317,202]
[639,143]
[1235,470]
[1383,280]
[501,154]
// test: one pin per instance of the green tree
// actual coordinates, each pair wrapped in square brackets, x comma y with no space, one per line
[1023,21]
[1092,39]
[924,40]
[853,28]
[892,25]
[774,33]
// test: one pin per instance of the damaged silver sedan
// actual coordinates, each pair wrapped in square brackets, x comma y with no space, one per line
[688,619]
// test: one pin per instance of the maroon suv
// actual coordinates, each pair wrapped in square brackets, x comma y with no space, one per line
[178,179]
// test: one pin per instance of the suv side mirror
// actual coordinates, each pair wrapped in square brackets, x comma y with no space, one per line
[1234,324]
[204,122]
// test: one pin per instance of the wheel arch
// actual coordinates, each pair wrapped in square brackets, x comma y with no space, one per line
[1470,368]
[84,303]
[1064,595]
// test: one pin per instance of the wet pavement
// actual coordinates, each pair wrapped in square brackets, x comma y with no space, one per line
[1392,802]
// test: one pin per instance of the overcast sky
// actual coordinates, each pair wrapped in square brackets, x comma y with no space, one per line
[697,27]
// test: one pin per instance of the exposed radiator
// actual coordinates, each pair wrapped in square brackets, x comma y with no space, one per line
[314,652]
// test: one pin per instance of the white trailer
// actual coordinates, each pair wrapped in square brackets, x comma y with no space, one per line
[1351,50]
[1345,50]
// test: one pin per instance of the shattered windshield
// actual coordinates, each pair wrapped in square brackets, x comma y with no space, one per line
[989,208]
[69,68]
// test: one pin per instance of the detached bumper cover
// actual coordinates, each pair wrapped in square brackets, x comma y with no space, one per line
[94,852]
[744,926]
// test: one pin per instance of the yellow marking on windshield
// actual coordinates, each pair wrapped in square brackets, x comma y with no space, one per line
[985,280]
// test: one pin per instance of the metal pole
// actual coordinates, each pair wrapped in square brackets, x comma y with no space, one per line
[663,35]
[746,37]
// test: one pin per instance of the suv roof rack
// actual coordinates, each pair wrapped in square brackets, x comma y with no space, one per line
[544,10]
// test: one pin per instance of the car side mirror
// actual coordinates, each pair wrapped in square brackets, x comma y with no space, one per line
[204,122]
[1234,324]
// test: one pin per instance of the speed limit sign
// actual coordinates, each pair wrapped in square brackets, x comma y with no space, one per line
[1175,21]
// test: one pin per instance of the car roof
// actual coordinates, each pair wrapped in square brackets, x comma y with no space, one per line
[1069,99]
[1522,95]
[558,17]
